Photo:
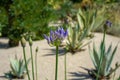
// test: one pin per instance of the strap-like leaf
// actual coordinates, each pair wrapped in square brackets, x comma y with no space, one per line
[103,65]
[92,58]
[111,58]
[109,51]
[81,46]
[84,34]
[96,57]
[13,65]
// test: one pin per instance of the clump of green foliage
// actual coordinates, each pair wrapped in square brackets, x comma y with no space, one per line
[18,69]
[105,69]
[22,16]
[87,22]
[76,39]
[90,19]
[102,59]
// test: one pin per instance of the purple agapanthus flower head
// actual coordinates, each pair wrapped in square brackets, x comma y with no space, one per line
[56,37]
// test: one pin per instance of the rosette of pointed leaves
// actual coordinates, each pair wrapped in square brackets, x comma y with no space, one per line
[18,69]
[56,37]
[77,39]
[107,58]
[80,34]
[103,58]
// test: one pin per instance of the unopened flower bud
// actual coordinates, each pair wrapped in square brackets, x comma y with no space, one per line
[30,41]
[23,42]
[0,34]
[37,49]
[107,24]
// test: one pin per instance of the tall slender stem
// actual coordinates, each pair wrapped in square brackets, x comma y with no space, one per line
[104,36]
[26,63]
[32,63]
[36,65]
[56,69]
[65,67]
[101,57]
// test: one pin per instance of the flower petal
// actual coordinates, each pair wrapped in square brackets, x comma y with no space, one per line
[45,36]
[51,33]
[66,33]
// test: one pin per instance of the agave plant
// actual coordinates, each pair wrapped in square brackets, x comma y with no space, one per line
[87,22]
[89,19]
[104,66]
[76,39]
[102,59]
[18,69]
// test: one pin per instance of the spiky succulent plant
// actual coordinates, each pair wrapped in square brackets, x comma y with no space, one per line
[89,19]
[76,39]
[86,23]
[104,65]
[102,59]
[18,69]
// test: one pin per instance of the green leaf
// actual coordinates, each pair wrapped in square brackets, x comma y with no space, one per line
[21,67]
[92,20]
[74,37]
[103,66]
[109,51]
[81,19]
[91,55]
[81,46]
[96,57]
[83,35]
[111,58]
[13,65]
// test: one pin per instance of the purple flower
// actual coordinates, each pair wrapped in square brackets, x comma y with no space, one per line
[108,23]
[56,37]
[47,38]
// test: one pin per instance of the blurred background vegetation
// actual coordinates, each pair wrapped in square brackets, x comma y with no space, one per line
[18,17]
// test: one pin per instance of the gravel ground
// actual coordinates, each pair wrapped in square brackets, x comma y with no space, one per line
[76,64]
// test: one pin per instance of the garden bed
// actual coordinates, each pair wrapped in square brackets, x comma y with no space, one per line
[76,64]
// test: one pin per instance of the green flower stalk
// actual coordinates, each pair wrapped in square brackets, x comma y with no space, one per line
[30,44]
[65,66]
[36,63]
[55,39]
[23,43]
[56,68]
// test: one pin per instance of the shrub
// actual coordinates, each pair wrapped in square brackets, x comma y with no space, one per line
[26,16]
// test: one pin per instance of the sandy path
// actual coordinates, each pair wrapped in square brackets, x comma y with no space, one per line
[46,59]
